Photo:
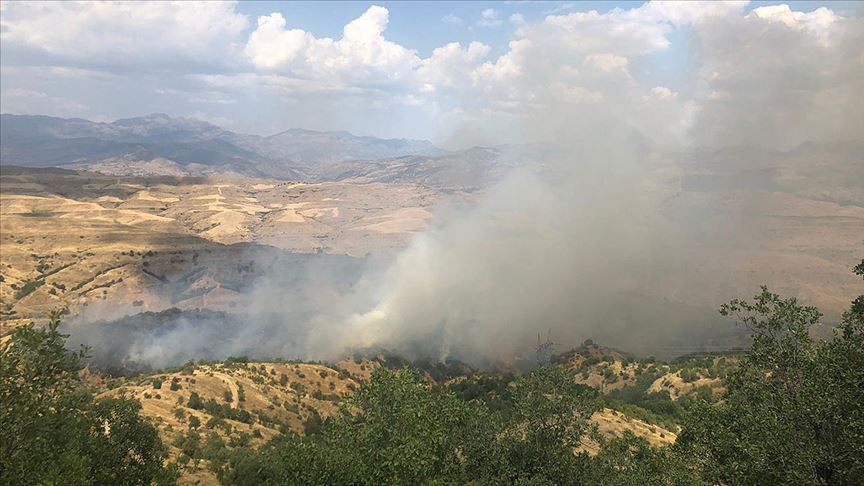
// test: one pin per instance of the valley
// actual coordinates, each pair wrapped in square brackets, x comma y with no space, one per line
[77,239]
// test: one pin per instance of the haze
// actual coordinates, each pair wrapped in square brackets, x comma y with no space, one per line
[611,172]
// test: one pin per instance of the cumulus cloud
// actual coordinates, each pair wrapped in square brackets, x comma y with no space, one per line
[798,65]
[663,93]
[817,22]
[362,56]
[799,80]
[489,19]
[127,33]
[271,45]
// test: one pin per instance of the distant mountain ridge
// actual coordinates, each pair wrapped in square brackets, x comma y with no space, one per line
[309,147]
[160,144]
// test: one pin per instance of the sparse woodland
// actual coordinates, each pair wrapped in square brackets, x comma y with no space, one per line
[791,412]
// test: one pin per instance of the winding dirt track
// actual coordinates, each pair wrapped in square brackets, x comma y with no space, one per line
[232,385]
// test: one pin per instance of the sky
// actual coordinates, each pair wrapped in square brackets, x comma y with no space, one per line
[456,73]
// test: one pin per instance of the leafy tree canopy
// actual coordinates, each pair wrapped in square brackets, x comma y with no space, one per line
[53,431]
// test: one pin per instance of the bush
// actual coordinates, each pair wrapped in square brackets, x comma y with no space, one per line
[215,422]
[195,402]
[240,440]
[52,426]
[215,451]
[689,375]
[189,444]
[431,436]
[312,425]
[224,411]
[792,409]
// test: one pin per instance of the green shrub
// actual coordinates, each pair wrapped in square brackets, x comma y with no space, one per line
[195,402]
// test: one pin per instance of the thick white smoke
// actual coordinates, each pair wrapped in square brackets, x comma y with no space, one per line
[578,243]
[589,241]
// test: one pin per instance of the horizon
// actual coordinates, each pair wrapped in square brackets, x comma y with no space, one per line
[457,149]
[443,72]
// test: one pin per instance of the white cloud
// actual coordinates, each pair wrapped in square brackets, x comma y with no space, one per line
[489,19]
[361,57]
[451,19]
[606,62]
[683,12]
[800,77]
[133,34]
[451,65]
[663,93]
[817,22]
[270,45]
[578,94]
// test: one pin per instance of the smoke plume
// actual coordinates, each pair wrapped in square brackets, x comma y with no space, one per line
[591,239]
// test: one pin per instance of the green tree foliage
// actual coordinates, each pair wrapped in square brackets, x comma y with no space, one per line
[631,461]
[401,431]
[793,412]
[195,402]
[52,431]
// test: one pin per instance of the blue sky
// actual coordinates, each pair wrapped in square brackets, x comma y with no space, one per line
[420,25]
[216,62]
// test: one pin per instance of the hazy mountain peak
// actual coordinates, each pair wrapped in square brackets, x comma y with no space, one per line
[40,141]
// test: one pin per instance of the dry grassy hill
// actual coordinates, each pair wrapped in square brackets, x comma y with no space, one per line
[242,403]
[237,403]
[78,239]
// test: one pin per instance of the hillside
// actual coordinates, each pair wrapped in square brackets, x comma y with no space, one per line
[77,239]
[204,411]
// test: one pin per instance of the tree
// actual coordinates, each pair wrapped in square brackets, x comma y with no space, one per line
[195,402]
[536,443]
[399,430]
[629,460]
[53,431]
[793,412]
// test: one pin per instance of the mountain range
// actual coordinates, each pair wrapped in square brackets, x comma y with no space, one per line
[158,144]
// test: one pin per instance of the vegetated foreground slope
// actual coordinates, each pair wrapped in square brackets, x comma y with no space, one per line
[207,410]
[787,411]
